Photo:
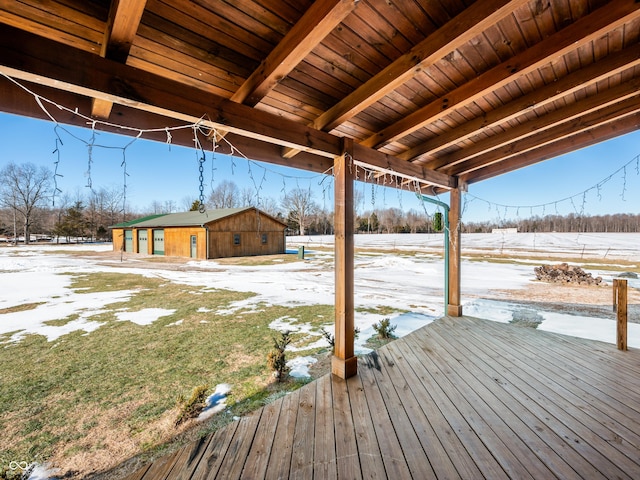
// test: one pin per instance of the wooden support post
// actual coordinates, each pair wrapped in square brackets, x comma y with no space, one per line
[344,364]
[620,286]
[615,295]
[454,308]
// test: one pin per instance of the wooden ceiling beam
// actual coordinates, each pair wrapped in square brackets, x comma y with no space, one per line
[534,127]
[608,17]
[612,113]
[580,79]
[122,26]
[41,61]
[16,100]
[455,33]
[566,145]
[317,22]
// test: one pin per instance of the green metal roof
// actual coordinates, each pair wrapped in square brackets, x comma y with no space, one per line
[133,222]
[185,219]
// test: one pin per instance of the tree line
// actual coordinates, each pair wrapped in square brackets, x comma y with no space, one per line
[28,207]
[572,223]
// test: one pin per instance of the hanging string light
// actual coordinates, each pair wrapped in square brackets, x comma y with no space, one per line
[580,196]
[56,152]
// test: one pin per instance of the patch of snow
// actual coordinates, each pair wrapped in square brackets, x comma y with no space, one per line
[300,366]
[145,316]
[216,402]
[179,322]
[283,324]
[59,303]
[321,343]
[42,472]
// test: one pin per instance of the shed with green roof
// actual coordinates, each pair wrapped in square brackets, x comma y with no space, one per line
[227,232]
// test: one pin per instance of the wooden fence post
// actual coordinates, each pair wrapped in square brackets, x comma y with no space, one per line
[620,287]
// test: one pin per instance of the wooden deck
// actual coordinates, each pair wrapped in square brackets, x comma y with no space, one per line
[460,398]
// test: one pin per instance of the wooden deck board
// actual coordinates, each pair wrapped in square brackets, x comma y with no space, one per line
[346,446]
[214,454]
[483,419]
[415,457]
[304,435]
[401,379]
[279,462]
[516,409]
[258,458]
[190,457]
[368,448]
[437,416]
[395,464]
[583,398]
[460,398]
[583,409]
[569,403]
[475,449]
[324,448]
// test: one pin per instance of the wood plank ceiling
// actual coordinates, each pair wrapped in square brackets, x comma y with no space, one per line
[449,91]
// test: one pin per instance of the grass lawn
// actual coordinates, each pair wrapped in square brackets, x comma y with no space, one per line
[91,401]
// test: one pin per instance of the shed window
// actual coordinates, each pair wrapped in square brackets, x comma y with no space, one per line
[236,239]
[264,238]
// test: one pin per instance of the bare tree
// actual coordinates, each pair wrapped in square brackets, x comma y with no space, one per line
[225,195]
[187,202]
[24,188]
[416,222]
[112,208]
[103,208]
[248,197]
[391,219]
[271,207]
[169,206]
[155,207]
[300,207]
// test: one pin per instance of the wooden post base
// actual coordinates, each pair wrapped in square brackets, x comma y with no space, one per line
[454,310]
[344,368]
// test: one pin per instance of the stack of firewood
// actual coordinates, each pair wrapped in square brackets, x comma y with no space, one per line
[565,273]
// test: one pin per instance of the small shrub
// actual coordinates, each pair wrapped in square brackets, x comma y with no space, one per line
[331,339]
[192,407]
[384,329]
[276,359]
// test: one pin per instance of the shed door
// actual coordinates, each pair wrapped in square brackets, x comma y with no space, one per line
[143,242]
[158,242]
[128,241]
[194,246]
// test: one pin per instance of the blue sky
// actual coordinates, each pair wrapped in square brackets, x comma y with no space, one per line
[162,172]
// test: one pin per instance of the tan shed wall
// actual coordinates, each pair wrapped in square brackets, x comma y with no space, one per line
[177,241]
[250,226]
[118,239]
